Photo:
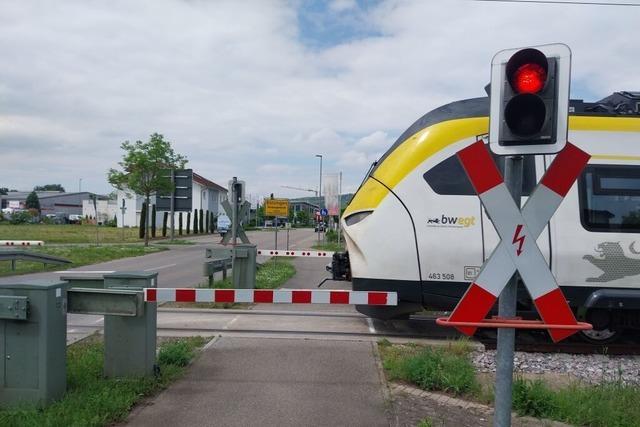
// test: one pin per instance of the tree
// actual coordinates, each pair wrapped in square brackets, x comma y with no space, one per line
[164,223]
[153,220]
[32,201]
[302,217]
[143,223]
[49,187]
[4,190]
[142,169]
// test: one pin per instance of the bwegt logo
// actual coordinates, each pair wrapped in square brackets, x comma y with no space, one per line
[452,221]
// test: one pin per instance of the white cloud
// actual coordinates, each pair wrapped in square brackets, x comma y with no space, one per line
[235,89]
[342,5]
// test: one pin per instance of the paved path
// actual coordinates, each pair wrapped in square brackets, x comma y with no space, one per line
[274,382]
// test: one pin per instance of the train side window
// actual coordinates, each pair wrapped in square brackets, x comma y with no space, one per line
[449,178]
[610,198]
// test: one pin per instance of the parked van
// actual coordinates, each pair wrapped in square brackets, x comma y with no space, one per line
[224,224]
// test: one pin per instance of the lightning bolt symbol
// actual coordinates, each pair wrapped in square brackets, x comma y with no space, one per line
[519,240]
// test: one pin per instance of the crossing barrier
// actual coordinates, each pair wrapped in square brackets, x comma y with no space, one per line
[271,296]
[21,243]
[303,253]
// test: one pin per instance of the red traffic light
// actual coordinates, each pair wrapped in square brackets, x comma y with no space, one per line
[529,78]
[527,71]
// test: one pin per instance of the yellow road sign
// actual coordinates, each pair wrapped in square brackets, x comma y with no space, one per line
[276,207]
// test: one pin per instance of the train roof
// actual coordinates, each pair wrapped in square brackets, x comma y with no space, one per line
[618,104]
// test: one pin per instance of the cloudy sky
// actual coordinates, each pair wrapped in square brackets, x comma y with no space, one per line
[255,89]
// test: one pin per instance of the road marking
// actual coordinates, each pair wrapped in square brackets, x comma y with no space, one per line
[161,267]
[211,343]
[372,330]
[231,322]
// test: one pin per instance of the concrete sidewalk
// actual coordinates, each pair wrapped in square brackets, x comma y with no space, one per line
[274,382]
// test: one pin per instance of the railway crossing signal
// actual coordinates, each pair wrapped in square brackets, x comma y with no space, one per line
[530,100]
[518,231]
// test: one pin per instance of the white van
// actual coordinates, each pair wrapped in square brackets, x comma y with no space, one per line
[224,224]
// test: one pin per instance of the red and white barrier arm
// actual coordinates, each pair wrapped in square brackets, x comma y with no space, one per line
[21,243]
[271,296]
[303,253]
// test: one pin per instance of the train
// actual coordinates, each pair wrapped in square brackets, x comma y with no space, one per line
[416,226]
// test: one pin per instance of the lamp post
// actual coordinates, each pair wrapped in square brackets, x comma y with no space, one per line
[319,192]
[320,186]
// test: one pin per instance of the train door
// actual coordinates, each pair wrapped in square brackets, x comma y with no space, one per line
[448,231]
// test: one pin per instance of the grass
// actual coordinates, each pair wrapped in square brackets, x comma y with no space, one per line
[92,400]
[174,242]
[274,273]
[270,275]
[446,369]
[449,369]
[329,246]
[76,233]
[78,255]
[603,405]
[67,233]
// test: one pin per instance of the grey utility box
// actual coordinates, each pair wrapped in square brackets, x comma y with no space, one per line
[130,342]
[33,347]
[244,266]
[84,281]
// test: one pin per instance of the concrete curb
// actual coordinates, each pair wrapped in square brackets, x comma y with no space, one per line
[444,399]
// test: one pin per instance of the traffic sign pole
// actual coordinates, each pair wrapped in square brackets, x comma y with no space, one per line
[507,308]
[173,203]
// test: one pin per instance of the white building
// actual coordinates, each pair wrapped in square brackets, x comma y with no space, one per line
[206,195]
[107,210]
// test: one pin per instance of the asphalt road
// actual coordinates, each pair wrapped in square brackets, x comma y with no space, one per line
[181,266]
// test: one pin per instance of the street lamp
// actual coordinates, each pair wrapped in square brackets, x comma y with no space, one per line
[320,187]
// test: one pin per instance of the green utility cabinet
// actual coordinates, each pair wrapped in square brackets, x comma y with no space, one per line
[244,266]
[33,331]
[84,281]
[130,341]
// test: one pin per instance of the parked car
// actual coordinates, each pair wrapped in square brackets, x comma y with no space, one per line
[75,219]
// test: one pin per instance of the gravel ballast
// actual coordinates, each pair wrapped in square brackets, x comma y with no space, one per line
[590,368]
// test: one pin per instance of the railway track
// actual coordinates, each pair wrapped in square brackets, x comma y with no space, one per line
[417,327]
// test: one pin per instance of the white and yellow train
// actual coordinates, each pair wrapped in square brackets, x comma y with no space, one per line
[416,226]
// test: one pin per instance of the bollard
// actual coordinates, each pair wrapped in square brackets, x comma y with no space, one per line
[244,266]
[130,342]
[33,334]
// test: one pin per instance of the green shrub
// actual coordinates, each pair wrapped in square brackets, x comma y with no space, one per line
[177,353]
[533,398]
[22,217]
[431,368]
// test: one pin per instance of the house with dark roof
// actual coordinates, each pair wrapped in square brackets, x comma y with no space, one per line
[205,195]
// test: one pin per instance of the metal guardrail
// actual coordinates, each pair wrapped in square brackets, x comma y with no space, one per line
[19,255]
[212,266]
